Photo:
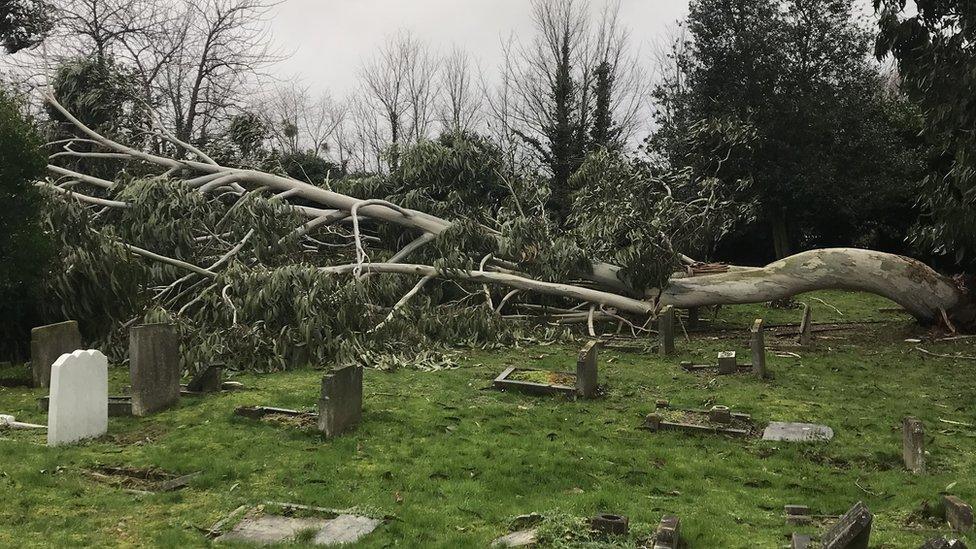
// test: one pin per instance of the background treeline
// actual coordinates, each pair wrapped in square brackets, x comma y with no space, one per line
[780,125]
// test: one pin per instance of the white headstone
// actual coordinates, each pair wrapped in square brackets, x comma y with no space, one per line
[79,397]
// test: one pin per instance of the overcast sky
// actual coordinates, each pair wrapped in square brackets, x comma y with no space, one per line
[328,39]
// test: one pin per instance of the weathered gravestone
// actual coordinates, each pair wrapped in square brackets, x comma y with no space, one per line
[806,326]
[958,513]
[586,370]
[797,432]
[757,343]
[610,524]
[48,343]
[341,402]
[913,445]
[727,362]
[800,541]
[665,330]
[668,535]
[154,367]
[851,531]
[79,398]
[208,379]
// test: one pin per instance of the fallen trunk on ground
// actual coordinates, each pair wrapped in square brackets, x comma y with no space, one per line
[926,294]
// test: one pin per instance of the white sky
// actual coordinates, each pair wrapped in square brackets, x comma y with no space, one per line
[329,39]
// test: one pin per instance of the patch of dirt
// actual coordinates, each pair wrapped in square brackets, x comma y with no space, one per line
[303,421]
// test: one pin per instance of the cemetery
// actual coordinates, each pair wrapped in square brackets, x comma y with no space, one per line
[450,441]
[703,286]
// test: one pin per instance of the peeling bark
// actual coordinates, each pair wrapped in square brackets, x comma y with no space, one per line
[908,282]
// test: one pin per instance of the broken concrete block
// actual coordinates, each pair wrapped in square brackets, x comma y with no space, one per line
[346,529]
[727,362]
[341,402]
[154,367]
[48,343]
[586,370]
[913,445]
[668,535]
[665,330]
[720,414]
[852,530]
[610,524]
[958,513]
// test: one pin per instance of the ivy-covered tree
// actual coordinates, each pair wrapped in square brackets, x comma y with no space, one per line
[936,54]
[24,248]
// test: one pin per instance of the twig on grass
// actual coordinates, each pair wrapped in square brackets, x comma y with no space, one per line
[940,355]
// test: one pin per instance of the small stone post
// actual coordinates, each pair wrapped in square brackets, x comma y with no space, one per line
[665,328]
[806,328]
[758,345]
[586,370]
[208,379]
[48,343]
[668,534]
[959,514]
[154,367]
[341,401]
[693,316]
[913,445]
[727,363]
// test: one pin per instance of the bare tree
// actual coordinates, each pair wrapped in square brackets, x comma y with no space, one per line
[298,122]
[397,84]
[460,101]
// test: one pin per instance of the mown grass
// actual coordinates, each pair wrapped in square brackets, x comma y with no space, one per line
[454,461]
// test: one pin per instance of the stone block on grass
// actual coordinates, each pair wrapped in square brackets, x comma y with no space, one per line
[913,444]
[586,370]
[727,362]
[852,530]
[958,513]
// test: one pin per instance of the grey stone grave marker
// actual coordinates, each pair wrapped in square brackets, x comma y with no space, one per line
[851,531]
[154,367]
[800,541]
[48,343]
[758,345]
[913,445]
[806,326]
[727,362]
[207,380]
[341,402]
[665,328]
[668,534]
[586,370]
[797,432]
[958,513]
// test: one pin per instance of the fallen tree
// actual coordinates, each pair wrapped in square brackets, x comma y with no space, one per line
[223,240]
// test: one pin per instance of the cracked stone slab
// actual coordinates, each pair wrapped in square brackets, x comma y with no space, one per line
[346,529]
[274,529]
[797,432]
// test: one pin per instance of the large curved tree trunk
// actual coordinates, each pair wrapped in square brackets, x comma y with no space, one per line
[920,290]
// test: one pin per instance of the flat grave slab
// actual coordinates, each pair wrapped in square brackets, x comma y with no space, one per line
[520,538]
[538,382]
[718,420]
[797,432]
[140,480]
[281,416]
[269,529]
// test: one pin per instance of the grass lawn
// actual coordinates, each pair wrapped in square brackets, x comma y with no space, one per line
[454,460]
